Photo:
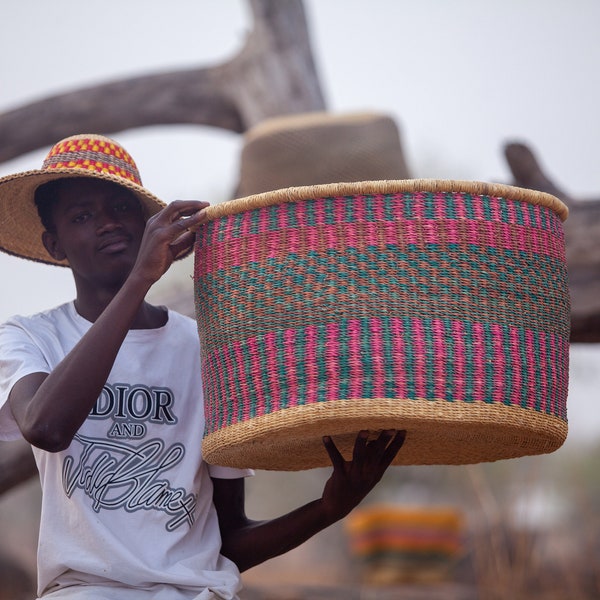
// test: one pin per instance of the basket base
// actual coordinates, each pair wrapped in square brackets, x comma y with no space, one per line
[438,432]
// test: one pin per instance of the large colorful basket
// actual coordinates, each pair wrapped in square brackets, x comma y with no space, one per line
[437,307]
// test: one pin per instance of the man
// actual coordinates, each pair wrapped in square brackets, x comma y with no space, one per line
[107,390]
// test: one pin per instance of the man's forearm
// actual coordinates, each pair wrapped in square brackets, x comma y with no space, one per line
[62,402]
[259,541]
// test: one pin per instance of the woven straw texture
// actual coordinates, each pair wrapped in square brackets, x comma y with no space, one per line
[438,307]
[318,148]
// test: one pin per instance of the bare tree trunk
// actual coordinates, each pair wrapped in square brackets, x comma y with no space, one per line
[273,74]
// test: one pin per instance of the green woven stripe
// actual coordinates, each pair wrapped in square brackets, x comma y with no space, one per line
[329,215]
[469,368]
[429,209]
[344,361]
[290,216]
[450,357]
[487,285]
[489,353]
[365,342]
[389,360]
[430,370]
[273,217]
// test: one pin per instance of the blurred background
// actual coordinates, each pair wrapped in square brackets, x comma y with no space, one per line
[460,79]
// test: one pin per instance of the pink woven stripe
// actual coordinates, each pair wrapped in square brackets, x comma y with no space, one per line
[358,206]
[530,363]
[239,250]
[477,205]
[458,334]
[459,206]
[410,233]
[311,365]
[526,218]
[313,237]
[420,358]
[399,353]
[499,384]
[377,358]
[289,346]
[227,357]
[270,341]
[495,210]
[440,358]
[418,206]
[431,231]
[354,358]
[238,372]
[543,371]
[440,207]
[332,353]
[378,211]
[515,357]
[256,375]
[478,380]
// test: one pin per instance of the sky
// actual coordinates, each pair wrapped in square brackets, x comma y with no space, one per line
[460,78]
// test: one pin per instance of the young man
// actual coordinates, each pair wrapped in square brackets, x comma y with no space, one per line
[107,390]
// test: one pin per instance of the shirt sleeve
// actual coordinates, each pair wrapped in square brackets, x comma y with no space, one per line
[219,472]
[19,356]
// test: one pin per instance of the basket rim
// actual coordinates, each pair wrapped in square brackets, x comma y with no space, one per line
[387,186]
[262,442]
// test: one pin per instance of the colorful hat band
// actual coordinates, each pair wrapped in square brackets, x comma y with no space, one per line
[93,154]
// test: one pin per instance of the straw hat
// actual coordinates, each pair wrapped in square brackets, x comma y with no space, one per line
[85,155]
[320,148]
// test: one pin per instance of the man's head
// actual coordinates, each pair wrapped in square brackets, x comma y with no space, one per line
[26,212]
[95,225]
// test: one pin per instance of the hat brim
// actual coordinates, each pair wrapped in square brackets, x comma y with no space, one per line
[20,226]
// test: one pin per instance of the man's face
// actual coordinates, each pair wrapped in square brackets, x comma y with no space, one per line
[98,229]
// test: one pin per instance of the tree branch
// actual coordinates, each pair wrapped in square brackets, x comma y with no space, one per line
[273,74]
[582,235]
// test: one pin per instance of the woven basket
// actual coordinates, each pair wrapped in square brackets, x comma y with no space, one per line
[400,544]
[438,307]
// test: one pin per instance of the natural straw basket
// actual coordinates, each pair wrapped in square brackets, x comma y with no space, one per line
[438,307]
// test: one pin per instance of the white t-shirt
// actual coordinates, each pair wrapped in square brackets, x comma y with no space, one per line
[127,509]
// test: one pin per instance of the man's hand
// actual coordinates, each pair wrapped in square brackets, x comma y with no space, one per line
[352,480]
[168,234]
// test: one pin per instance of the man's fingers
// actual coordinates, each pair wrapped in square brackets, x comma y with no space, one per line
[337,460]
[180,210]
[394,447]
[182,242]
[360,445]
